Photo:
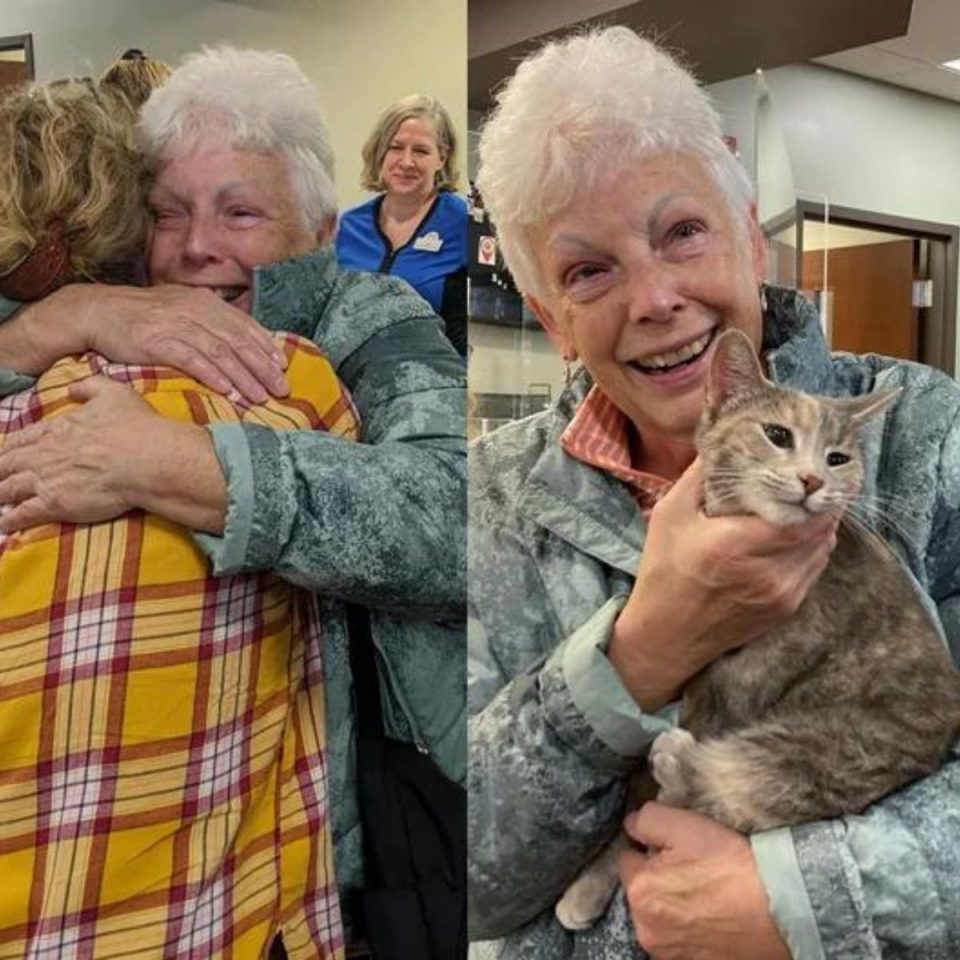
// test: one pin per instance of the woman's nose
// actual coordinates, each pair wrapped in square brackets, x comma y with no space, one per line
[201,241]
[654,292]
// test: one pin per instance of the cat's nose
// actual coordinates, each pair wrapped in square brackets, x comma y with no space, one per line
[811,483]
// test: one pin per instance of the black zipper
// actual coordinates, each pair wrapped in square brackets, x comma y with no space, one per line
[391,254]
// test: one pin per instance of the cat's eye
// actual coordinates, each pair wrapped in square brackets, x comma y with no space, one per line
[779,436]
[837,459]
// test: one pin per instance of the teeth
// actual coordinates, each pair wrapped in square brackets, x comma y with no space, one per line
[687,352]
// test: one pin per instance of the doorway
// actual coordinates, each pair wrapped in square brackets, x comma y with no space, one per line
[883,284]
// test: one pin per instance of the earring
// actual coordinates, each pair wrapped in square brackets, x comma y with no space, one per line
[568,371]
[763,298]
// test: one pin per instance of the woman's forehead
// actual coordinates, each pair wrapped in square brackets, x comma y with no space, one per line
[639,193]
[415,128]
[214,169]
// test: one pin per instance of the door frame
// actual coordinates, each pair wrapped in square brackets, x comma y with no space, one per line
[946,233]
[22,41]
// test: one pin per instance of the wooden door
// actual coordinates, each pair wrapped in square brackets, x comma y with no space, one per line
[871,287]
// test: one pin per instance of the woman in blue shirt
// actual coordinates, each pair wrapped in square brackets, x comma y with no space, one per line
[416,227]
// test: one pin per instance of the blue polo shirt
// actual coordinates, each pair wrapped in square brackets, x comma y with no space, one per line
[433,261]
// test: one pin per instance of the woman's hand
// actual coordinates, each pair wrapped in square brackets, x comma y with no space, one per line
[189,328]
[707,585]
[696,894]
[109,456]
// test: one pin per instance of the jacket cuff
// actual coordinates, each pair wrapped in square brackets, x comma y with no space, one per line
[789,904]
[12,382]
[588,703]
[8,307]
[228,553]
[834,889]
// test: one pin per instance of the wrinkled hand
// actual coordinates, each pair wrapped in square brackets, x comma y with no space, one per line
[697,894]
[72,467]
[707,585]
[189,328]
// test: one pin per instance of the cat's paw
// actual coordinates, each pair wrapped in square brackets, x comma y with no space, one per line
[584,902]
[667,763]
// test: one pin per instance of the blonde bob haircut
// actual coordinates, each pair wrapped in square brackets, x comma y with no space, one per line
[582,109]
[68,157]
[415,107]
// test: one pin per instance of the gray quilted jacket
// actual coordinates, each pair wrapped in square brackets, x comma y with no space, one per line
[381,523]
[554,545]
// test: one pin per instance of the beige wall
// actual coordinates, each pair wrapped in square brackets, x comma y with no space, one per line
[361,54]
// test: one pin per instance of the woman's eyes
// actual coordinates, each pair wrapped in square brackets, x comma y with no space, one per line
[243,214]
[582,273]
[165,218]
[686,230]
[399,148]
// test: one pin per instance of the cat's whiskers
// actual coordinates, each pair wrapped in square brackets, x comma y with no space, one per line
[860,528]
[861,520]
[877,515]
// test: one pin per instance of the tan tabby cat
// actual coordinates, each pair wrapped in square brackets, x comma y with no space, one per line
[853,696]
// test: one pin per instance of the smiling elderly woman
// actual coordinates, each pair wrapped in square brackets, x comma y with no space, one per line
[631,231]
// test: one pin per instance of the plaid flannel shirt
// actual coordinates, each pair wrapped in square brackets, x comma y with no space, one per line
[162,770]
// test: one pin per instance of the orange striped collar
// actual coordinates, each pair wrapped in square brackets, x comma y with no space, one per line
[599,435]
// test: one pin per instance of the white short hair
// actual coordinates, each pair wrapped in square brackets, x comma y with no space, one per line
[581,108]
[247,99]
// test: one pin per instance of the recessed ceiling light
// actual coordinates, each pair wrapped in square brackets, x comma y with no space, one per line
[952,65]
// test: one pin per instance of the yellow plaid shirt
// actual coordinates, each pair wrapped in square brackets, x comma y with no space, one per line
[163,785]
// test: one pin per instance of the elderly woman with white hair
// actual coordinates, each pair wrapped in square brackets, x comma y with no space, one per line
[243,206]
[631,231]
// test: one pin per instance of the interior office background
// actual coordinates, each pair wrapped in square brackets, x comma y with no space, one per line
[850,142]
[360,54]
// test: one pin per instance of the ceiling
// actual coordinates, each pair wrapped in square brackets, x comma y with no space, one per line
[731,38]
[913,60]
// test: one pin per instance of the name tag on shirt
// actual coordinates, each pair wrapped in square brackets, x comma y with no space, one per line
[429,242]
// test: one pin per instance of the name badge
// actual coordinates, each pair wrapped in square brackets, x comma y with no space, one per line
[430,242]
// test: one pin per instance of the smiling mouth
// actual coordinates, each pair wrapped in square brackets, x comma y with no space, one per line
[229,293]
[665,362]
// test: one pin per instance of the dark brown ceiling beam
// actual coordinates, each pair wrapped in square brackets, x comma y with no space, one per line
[721,38]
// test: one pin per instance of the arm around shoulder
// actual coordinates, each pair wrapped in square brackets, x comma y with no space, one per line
[381,522]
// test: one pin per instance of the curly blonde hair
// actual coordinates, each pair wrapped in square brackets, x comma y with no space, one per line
[68,156]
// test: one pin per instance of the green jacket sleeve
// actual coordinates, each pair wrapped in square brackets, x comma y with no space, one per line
[553,732]
[381,522]
[10,380]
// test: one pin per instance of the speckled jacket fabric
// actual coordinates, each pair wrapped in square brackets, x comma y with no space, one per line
[381,522]
[554,545]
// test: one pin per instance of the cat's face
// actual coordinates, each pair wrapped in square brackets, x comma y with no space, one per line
[776,453]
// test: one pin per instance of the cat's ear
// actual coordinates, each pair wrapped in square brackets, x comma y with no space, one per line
[861,409]
[734,370]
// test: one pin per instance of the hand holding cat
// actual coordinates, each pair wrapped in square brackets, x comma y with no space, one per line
[707,585]
[698,896]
